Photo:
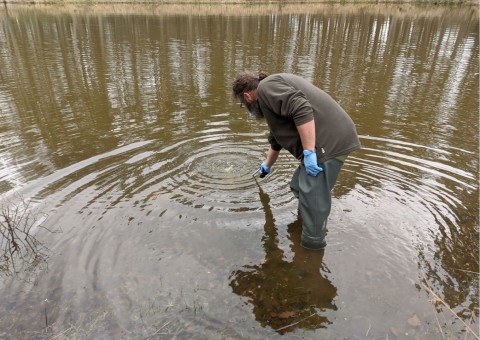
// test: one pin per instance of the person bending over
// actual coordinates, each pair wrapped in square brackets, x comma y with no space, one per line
[314,128]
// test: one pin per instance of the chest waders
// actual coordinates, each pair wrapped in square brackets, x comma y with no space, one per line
[315,201]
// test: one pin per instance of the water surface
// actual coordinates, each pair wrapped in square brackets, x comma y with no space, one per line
[118,128]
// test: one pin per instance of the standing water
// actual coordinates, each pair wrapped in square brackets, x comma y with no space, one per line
[121,145]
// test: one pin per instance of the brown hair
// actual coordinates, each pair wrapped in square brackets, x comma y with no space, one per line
[244,82]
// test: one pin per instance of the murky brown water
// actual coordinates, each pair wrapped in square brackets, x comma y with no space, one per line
[118,129]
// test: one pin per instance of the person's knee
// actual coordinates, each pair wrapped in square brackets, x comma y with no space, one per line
[317,209]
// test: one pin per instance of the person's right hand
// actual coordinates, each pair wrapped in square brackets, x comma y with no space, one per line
[264,170]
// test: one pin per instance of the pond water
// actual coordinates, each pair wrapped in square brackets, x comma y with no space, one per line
[118,133]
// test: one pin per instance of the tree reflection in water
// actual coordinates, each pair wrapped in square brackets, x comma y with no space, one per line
[21,252]
[286,295]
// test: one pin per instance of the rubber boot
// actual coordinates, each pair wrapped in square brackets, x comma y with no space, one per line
[316,242]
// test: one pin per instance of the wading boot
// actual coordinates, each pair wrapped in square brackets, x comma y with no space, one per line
[316,239]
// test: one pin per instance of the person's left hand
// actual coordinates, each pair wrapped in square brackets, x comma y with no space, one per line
[310,162]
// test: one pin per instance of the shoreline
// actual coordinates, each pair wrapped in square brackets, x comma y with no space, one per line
[469,3]
[235,8]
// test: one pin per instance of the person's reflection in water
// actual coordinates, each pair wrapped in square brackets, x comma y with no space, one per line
[286,295]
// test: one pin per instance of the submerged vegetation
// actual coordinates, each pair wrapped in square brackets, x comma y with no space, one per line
[21,252]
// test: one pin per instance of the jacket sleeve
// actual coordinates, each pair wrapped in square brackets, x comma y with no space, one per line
[273,142]
[285,100]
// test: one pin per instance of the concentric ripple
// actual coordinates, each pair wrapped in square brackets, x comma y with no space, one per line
[213,172]
[419,176]
[418,194]
[216,175]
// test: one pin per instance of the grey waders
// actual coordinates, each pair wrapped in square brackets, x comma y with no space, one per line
[315,201]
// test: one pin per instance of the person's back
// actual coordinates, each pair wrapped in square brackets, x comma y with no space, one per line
[311,125]
[287,100]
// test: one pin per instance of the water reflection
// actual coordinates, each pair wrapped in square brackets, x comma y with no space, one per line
[437,196]
[125,120]
[22,254]
[116,79]
[286,295]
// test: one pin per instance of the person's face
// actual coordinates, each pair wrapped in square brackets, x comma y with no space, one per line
[251,104]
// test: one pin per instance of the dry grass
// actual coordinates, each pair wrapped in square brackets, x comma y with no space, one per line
[232,2]
[437,299]
[244,9]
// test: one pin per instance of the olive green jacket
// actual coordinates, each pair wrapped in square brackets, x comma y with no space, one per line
[287,100]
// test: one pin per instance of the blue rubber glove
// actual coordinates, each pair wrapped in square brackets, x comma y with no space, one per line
[264,170]
[310,162]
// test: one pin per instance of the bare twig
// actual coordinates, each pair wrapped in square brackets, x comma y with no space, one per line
[295,323]
[464,270]
[368,330]
[467,327]
[62,333]
[439,327]
[19,248]
[157,331]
